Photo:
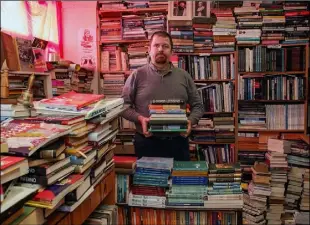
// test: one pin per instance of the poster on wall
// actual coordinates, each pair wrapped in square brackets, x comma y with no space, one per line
[87,47]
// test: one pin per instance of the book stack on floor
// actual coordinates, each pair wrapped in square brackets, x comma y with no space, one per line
[276,158]
[224,189]
[124,168]
[189,181]
[150,182]
[66,156]
[256,200]
[167,116]
[224,128]
[297,190]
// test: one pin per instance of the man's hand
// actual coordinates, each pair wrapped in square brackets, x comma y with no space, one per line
[144,121]
[188,131]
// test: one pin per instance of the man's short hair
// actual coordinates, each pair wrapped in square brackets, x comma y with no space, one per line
[162,34]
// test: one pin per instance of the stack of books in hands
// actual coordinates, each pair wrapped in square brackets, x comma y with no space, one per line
[150,181]
[189,180]
[224,189]
[167,116]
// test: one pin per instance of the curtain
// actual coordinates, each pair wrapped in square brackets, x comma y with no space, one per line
[31,19]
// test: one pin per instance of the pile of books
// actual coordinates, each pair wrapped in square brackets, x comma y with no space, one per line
[255,204]
[167,116]
[188,186]
[68,152]
[150,181]
[203,35]
[182,35]
[224,189]
[276,158]
[249,24]
[224,30]
[154,23]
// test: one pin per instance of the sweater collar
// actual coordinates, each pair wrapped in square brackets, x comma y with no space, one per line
[161,72]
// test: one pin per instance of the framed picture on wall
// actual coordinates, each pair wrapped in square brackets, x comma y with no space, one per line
[201,8]
[180,10]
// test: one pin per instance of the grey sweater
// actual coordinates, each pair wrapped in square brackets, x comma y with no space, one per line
[146,84]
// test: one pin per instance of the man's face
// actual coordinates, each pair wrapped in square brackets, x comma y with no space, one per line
[160,50]
[200,4]
[182,4]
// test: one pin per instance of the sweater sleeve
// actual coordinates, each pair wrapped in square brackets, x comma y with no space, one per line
[194,100]
[128,95]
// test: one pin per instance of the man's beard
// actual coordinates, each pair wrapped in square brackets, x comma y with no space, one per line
[160,58]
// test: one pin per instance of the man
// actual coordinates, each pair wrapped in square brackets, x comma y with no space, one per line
[201,9]
[160,80]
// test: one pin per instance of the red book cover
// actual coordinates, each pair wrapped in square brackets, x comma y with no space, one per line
[125,159]
[71,101]
[7,161]
[51,192]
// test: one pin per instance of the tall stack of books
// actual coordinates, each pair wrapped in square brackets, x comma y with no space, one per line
[150,181]
[273,23]
[158,4]
[124,168]
[154,22]
[224,128]
[133,27]
[249,25]
[258,191]
[110,28]
[113,85]
[224,30]
[137,55]
[224,189]
[167,116]
[189,180]
[276,158]
[296,22]
[203,35]
[304,203]
[182,35]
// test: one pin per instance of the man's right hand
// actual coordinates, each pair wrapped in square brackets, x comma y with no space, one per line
[144,121]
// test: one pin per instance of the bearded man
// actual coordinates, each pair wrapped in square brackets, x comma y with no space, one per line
[160,80]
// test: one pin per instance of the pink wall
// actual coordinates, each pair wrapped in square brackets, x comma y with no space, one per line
[76,15]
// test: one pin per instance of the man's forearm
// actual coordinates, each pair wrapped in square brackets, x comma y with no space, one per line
[131,115]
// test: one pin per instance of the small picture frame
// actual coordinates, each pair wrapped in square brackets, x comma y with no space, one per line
[179,10]
[202,8]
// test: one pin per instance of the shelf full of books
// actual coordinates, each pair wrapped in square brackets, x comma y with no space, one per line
[180,190]
[60,158]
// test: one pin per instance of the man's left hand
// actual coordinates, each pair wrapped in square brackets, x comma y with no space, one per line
[188,131]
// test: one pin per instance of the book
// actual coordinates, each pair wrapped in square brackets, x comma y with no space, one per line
[71,101]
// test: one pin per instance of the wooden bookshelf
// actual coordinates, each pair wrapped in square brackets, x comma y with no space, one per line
[303,73]
[215,80]
[104,193]
[122,41]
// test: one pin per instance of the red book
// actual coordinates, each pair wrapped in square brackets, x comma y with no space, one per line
[57,119]
[71,101]
[7,161]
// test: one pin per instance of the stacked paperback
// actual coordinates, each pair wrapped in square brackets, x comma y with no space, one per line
[255,203]
[224,189]
[276,158]
[167,116]
[150,181]
[188,184]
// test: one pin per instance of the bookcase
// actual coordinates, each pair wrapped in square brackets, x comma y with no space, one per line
[273,79]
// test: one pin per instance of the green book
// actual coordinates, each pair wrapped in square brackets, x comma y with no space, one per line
[190,165]
[224,168]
